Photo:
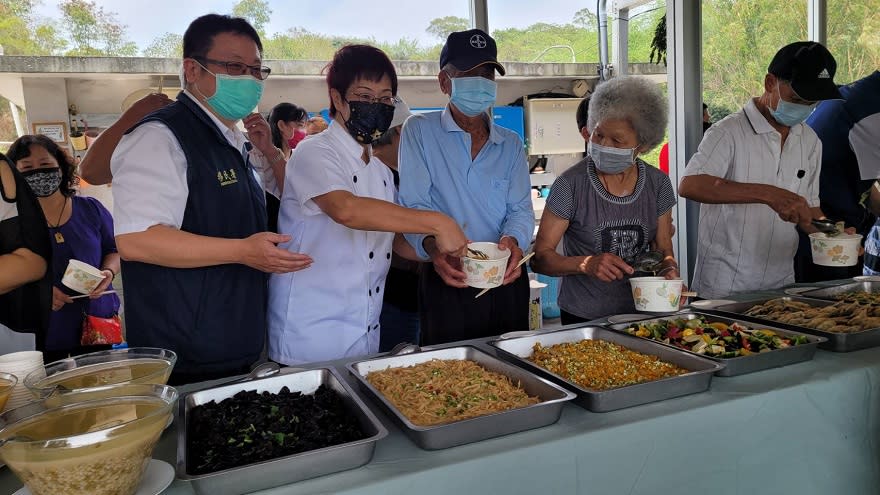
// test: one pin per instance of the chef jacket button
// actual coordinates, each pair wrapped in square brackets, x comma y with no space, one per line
[388,256]
[371,255]
[377,289]
[368,328]
[370,292]
[355,178]
[385,183]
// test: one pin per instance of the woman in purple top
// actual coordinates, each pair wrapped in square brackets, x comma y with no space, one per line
[79,228]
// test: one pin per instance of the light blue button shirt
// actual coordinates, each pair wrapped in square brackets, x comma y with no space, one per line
[489,196]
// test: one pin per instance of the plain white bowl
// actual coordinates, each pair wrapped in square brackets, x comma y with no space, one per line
[839,250]
[656,294]
[81,277]
[485,274]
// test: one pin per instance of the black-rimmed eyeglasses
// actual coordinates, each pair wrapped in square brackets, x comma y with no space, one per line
[239,69]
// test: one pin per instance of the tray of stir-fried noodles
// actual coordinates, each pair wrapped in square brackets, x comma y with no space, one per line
[447,397]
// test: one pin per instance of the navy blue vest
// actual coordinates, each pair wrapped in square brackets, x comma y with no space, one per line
[213,317]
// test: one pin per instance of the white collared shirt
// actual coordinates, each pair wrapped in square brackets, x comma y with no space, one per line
[149,175]
[744,247]
[331,309]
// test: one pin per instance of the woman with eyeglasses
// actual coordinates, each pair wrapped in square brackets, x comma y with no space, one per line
[338,204]
[611,207]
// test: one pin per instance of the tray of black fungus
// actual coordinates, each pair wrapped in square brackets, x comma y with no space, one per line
[250,436]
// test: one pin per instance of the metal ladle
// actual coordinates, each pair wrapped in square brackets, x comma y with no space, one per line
[263,370]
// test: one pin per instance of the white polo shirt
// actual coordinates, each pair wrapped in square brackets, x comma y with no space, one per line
[744,247]
[331,309]
[149,175]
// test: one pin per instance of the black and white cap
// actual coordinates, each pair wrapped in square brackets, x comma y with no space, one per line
[468,49]
[809,67]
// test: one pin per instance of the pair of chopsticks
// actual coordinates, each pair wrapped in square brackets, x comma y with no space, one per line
[101,294]
[525,258]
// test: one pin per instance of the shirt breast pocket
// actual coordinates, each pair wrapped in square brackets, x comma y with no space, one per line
[497,195]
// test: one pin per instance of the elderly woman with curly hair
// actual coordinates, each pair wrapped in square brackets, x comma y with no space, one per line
[610,207]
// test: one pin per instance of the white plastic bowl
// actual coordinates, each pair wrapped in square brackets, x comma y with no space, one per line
[840,250]
[81,277]
[485,274]
[656,293]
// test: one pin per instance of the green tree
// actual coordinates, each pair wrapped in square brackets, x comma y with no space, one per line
[168,45]
[442,26]
[257,12]
[94,31]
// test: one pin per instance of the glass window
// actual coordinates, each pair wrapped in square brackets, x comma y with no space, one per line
[556,31]
[855,45]
[740,38]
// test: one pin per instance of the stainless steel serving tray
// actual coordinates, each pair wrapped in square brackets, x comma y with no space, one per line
[470,430]
[701,369]
[837,342]
[831,293]
[743,364]
[292,468]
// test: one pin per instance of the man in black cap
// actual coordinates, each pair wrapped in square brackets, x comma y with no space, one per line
[459,162]
[762,156]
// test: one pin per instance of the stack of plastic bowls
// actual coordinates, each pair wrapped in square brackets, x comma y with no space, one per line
[21,364]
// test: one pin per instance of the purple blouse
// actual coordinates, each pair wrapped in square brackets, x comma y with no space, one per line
[88,237]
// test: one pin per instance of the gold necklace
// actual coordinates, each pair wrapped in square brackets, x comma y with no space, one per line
[59,238]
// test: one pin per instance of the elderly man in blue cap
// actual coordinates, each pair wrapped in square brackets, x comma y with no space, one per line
[459,162]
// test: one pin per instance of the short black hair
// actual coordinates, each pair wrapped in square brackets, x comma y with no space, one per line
[21,148]
[581,113]
[285,112]
[358,61]
[199,36]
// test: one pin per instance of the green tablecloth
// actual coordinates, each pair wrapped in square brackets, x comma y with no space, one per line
[808,428]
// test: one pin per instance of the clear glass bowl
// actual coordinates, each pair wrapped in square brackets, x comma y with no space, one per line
[8,382]
[134,365]
[95,441]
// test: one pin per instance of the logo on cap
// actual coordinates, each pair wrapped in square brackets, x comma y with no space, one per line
[477,41]
[824,74]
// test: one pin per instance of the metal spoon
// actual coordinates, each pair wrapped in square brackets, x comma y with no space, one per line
[826,226]
[263,370]
[648,262]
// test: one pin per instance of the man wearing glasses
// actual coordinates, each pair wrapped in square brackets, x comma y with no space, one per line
[459,162]
[757,173]
[190,214]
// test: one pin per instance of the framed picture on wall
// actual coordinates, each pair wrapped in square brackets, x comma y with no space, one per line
[56,131]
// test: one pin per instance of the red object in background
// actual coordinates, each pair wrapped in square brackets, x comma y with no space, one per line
[664,158]
[298,136]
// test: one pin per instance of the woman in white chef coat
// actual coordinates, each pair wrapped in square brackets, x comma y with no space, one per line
[339,206]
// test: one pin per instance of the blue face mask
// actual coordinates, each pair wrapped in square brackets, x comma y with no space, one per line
[790,114]
[473,95]
[610,160]
[235,96]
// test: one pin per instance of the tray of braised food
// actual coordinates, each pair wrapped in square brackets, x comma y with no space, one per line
[245,437]
[847,325]
[609,370]
[742,347]
[447,397]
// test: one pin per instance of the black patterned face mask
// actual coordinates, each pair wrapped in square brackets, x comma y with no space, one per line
[368,121]
[43,181]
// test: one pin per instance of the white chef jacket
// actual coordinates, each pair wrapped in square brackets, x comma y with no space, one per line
[331,309]
[743,247]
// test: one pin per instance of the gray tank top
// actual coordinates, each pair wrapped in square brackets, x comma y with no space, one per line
[600,222]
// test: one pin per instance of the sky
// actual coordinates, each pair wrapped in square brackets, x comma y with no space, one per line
[384,20]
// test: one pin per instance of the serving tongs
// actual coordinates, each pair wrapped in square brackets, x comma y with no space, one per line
[827,227]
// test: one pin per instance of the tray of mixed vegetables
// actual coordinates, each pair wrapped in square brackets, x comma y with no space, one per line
[742,347]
